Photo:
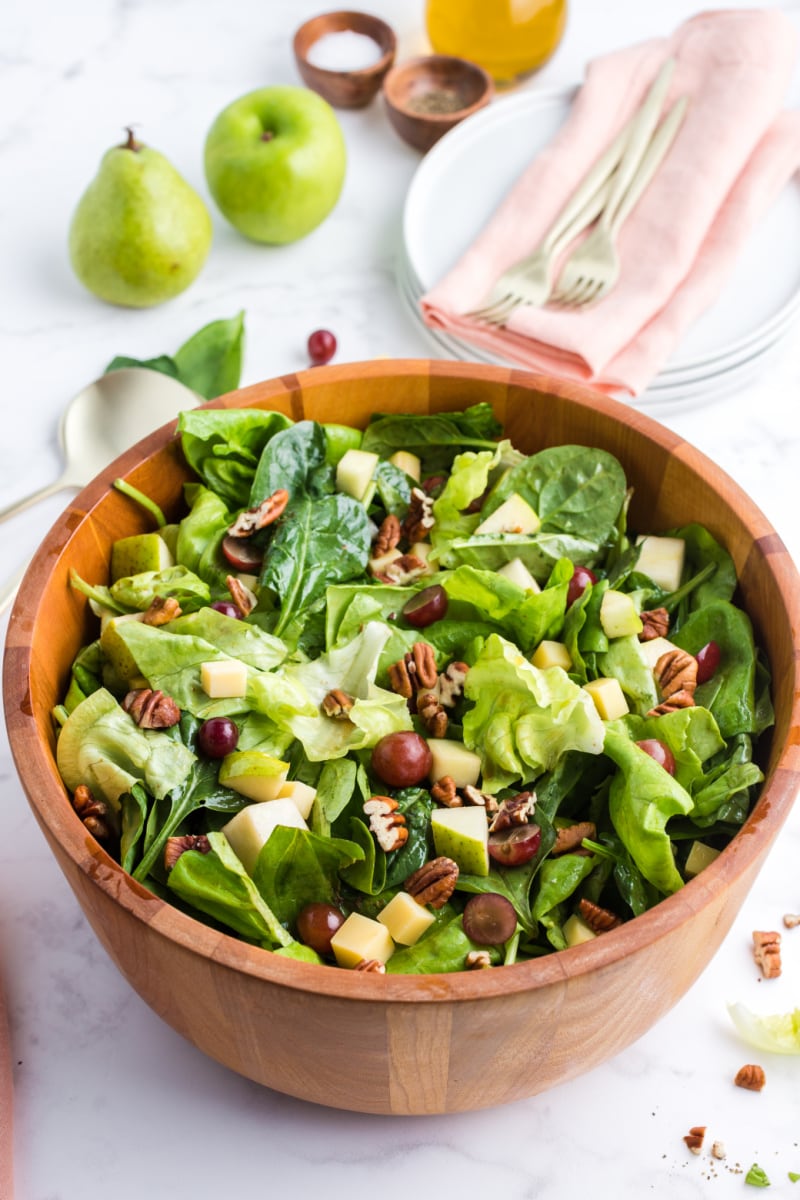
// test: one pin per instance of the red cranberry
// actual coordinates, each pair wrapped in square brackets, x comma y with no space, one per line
[707,662]
[581,578]
[321,347]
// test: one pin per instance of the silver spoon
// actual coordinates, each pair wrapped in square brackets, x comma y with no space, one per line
[98,425]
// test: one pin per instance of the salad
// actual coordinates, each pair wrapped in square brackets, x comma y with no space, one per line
[409,700]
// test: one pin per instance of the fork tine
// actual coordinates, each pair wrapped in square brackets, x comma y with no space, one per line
[491,312]
[493,302]
[566,296]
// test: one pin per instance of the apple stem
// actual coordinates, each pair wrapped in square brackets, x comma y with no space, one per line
[131,143]
[267,135]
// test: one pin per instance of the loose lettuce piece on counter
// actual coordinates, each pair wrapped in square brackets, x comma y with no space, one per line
[100,746]
[778,1033]
[223,446]
[524,719]
[218,885]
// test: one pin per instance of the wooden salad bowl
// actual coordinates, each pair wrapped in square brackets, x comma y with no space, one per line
[407,1044]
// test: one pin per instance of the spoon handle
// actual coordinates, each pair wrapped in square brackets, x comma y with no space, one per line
[7,593]
[18,506]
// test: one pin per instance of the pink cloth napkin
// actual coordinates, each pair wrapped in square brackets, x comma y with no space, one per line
[733,154]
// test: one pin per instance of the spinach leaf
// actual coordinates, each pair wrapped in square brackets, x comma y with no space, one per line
[210,362]
[163,363]
[200,535]
[444,949]
[297,867]
[558,880]
[730,694]
[223,447]
[134,805]
[701,549]
[217,884]
[335,787]
[369,873]
[318,542]
[393,488]
[416,805]
[434,438]
[291,460]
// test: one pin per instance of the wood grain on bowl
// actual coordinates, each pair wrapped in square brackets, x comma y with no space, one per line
[408,1044]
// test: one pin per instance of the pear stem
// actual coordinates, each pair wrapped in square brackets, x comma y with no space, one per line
[131,143]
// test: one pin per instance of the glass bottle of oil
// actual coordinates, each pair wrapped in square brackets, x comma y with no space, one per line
[508,38]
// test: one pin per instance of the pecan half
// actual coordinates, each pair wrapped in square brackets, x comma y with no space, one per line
[451,683]
[655,623]
[432,715]
[751,1076]
[419,519]
[260,516]
[162,610]
[387,537]
[388,825]
[151,709]
[479,799]
[403,570]
[444,792]
[433,883]
[400,679]
[694,1138]
[718,1150]
[478,960]
[421,663]
[676,671]
[241,596]
[570,836]
[599,920]
[677,700]
[337,704]
[767,952]
[93,813]
[372,966]
[791,920]
[174,847]
[516,810]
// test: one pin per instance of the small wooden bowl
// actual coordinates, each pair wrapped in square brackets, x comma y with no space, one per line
[425,97]
[414,1043]
[345,89]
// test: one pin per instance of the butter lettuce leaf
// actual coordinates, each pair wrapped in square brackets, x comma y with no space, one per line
[524,719]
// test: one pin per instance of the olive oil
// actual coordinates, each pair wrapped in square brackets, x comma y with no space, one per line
[508,38]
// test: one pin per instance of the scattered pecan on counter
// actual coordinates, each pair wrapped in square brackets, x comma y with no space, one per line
[751,1076]
[767,952]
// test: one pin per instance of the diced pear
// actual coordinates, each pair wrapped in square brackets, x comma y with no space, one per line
[408,462]
[651,651]
[250,830]
[361,938]
[248,581]
[514,515]
[405,919]
[576,931]
[552,654]
[254,774]
[661,559]
[609,699]
[223,678]
[699,857]
[463,835]
[453,759]
[421,550]
[300,794]
[354,472]
[618,615]
[378,565]
[123,665]
[142,552]
[518,573]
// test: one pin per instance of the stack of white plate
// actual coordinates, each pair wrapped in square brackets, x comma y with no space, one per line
[462,180]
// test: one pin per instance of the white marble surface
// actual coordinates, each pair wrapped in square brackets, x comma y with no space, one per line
[109,1101]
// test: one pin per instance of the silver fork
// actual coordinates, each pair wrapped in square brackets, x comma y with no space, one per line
[529,280]
[594,267]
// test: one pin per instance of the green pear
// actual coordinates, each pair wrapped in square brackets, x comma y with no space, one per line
[138,553]
[463,835]
[254,774]
[140,233]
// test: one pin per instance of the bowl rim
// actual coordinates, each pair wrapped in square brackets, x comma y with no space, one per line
[39,777]
[374,70]
[410,65]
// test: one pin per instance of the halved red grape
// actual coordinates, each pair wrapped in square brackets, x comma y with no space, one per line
[581,578]
[707,661]
[316,925]
[227,608]
[217,737]
[402,759]
[427,606]
[489,919]
[515,846]
[321,346]
[660,752]
[241,553]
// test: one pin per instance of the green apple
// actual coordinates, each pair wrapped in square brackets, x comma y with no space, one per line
[463,835]
[275,163]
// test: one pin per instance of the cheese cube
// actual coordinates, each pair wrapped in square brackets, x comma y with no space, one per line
[251,828]
[224,678]
[661,559]
[361,938]
[300,794]
[405,919]
[552,654]
[514,515]
[455,760]
[518,573]
[576,931]
[609,699]
[404,460]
